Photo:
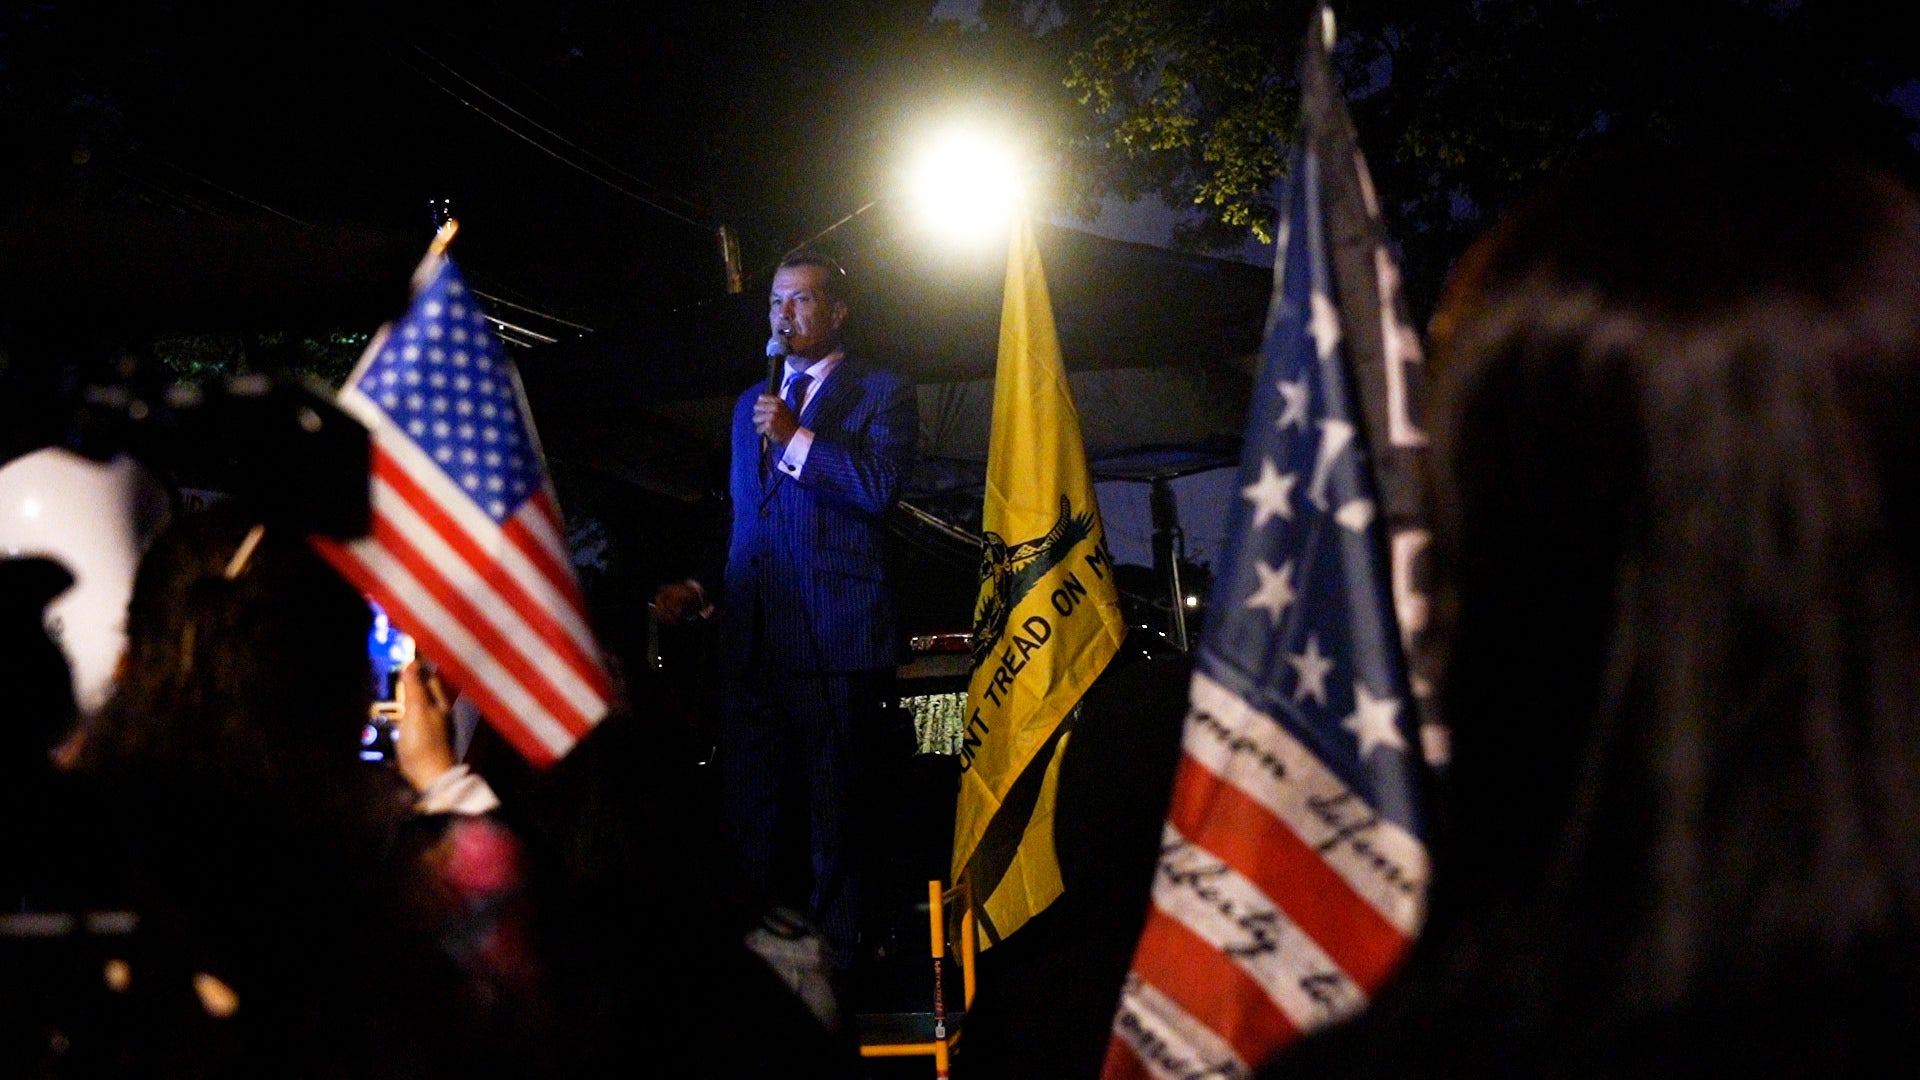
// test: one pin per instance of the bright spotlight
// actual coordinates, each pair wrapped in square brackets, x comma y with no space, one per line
[966,185]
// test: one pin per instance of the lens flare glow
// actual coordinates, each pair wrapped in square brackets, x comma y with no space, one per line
[966,185]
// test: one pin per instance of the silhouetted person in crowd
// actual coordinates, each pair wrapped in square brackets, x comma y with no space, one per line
[39,713]
[54,862]
[1676,494]
[296,917]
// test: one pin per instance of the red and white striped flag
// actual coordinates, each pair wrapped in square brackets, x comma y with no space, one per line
[467,551]
[1293,864]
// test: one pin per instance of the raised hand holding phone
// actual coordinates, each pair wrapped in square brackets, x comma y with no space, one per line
[423,741]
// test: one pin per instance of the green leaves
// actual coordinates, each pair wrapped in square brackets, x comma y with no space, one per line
[328,356]
[1463,108]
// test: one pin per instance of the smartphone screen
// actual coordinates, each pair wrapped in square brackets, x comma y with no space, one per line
[388,650]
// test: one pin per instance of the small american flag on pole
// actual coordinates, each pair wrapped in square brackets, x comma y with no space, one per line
[1293,865]
[467,551]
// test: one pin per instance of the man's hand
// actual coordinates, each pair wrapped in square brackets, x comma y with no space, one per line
[772,418]
[678,601]
[423,744]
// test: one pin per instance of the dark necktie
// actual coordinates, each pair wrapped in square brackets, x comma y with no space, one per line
[797,392]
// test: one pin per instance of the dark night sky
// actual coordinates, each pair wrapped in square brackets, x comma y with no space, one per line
[334,113]
[589,146]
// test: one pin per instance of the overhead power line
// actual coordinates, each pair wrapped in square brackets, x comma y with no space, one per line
[177,200]
[556,155]
[504,327]
[502,301]
[228,192]
[809,241]
[663,192]
[766,270]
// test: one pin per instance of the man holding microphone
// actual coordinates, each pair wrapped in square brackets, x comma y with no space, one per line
[808,639]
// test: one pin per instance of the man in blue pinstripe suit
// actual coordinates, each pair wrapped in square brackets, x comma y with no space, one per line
[808,638]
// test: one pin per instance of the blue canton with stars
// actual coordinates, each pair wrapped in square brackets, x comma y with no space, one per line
[1302,625]
[447,384]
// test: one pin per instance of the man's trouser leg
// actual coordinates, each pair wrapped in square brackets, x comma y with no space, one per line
[755,745]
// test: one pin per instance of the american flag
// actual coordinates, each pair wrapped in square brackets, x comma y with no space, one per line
[1292,874]
[467,550]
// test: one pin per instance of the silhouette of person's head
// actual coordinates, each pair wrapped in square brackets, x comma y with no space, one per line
[40,708]
[246,664]
[1675,490]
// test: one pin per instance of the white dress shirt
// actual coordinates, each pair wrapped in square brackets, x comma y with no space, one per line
[794,458]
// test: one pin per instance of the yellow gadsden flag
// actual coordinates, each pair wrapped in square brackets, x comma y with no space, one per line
[1047,621]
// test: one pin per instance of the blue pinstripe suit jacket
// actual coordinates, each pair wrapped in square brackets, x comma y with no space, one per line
[807,560]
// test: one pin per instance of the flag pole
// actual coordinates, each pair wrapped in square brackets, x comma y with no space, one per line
[442,238]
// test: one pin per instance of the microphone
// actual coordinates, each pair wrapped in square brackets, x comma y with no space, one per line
[777,350]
